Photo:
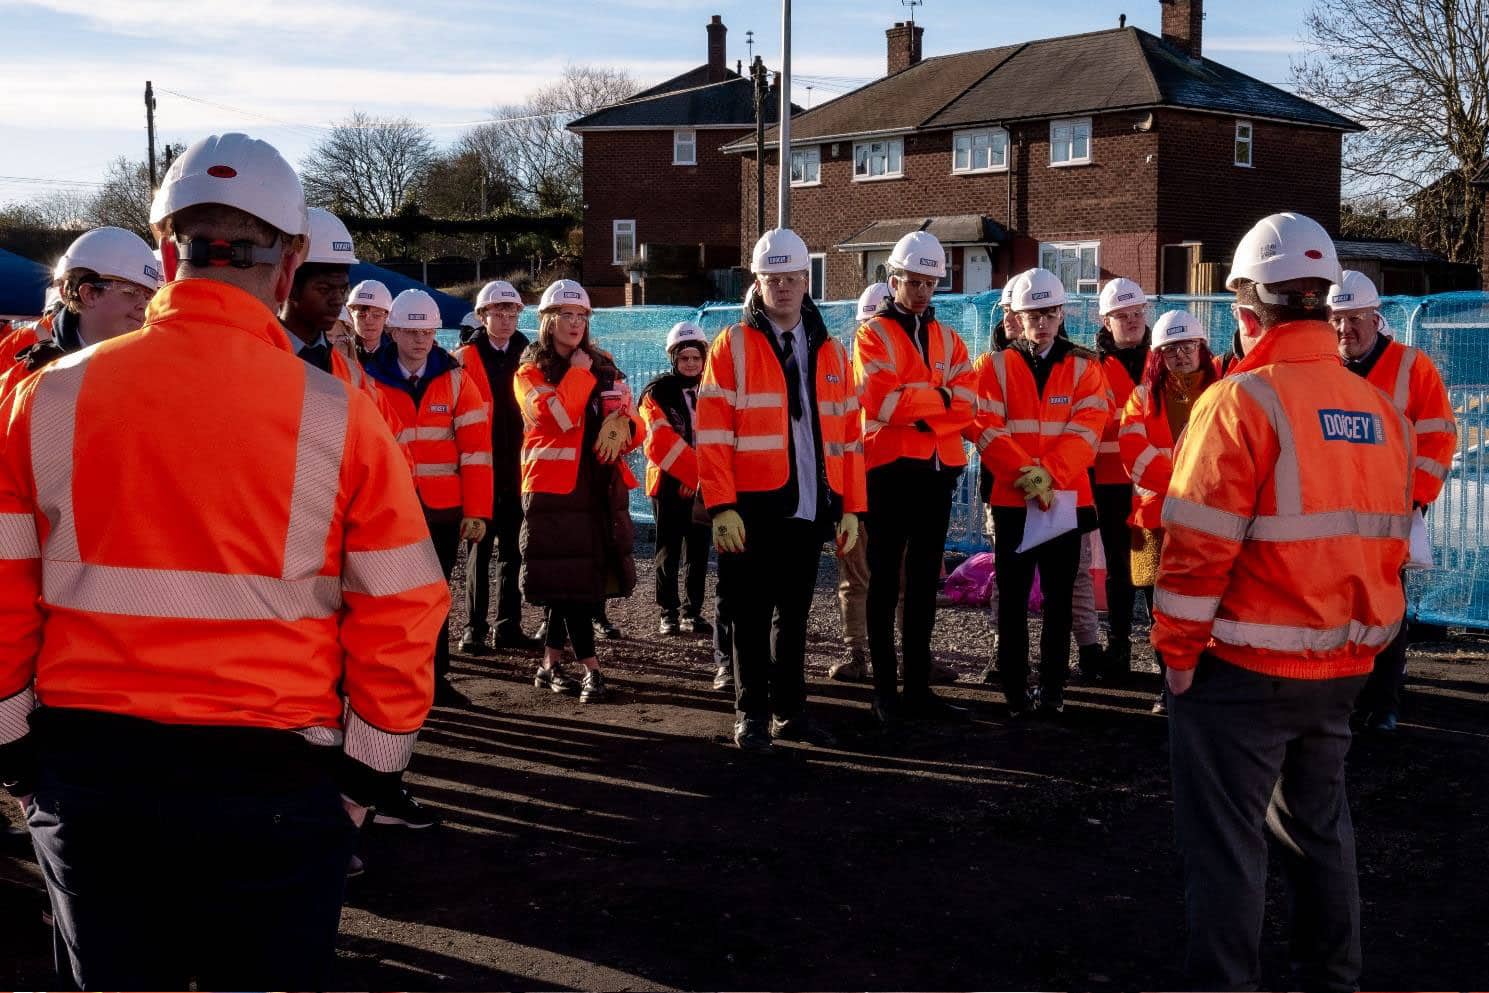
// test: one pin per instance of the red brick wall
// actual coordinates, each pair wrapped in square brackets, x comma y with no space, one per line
[629,175]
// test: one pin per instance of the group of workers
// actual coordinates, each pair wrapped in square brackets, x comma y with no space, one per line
[261,667]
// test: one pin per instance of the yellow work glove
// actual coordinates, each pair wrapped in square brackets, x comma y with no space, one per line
[472,529]
[1036,483]
[847,536]
[728,532]
[613,432]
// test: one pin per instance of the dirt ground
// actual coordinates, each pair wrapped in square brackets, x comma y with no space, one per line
[627,846]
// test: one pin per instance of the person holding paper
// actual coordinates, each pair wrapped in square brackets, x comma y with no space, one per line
[1042,406]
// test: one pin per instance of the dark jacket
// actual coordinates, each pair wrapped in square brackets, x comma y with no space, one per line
[65,340]
[506,415]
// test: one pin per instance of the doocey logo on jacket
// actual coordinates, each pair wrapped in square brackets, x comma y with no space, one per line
[1354,426]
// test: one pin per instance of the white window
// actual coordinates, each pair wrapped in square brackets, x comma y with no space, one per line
[1243,143]
[944,286]
[1070,141]
[1077,263]
[806,166]
[622,241]
[819,276]
[876,267]
[878,159]
[979,151]
[685,147]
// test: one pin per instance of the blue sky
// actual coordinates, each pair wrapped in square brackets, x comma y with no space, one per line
[75,69]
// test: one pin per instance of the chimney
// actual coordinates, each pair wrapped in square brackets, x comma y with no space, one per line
[718,68]
[1184,25]
[904,45]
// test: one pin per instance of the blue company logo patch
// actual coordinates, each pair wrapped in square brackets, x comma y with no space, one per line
[439,408]
[832,379]
[364,295]
[1041,295]
[1354,426]
[1341,298]
[571,294]
[416,317]
[930,262]
[1057,401]
[1125,296]
[777,259]
[341,246]
[150,271]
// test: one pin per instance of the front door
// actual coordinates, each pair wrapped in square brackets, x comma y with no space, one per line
[977,274]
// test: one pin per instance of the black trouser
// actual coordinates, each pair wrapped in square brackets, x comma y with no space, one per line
[500,543]
[723,635]
[1057,561]
[1382,692]
[1113,507]
[176,855]
[573,622]
[909,509]
[766,593]
[679,541]
[444,531]
[1254,755]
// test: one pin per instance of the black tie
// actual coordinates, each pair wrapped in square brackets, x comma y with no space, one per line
[413,383]
[793,375]
[318,356]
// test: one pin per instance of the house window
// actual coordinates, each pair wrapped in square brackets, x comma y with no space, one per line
[684,147]
[944,286]
[622,241]
[876,266]
[1077,263]
[819,276]
[878,159]
[1243,143]
[979,151]
[806,166]
[1070,141]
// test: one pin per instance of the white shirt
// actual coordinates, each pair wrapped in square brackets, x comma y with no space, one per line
[419,372]
[801,428]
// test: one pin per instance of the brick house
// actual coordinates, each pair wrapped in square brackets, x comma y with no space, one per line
[655,180]
[1482,182]
[1113,153]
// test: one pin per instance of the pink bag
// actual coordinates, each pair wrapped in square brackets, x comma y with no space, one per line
[973,582]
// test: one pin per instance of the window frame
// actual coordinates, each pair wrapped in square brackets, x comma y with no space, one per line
[943,285]
[677,142]
[819,290]
[1074,124]
[887,143]
[1249,142]
[815,151]
[1052,263]
[972,133]
[615,230]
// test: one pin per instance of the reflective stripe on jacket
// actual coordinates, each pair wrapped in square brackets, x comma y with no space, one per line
[1148,456]
[666,451]
[1410,379]
[897,390]
[449,440]
[553,429]
[1286,522]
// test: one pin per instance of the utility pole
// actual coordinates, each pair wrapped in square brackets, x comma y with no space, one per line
[757,73]
[783,129]
[150,131]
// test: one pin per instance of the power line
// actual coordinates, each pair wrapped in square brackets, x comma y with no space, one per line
[313,130]
[39,181]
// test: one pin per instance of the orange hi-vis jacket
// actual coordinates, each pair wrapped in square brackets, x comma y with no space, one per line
[1287,519]
[1416,389]
[898,390]
[448,437]
[18,339]
[284,580]
[553,429]
[1111,467]
[1017,427]
[666,451]
[352,372]
[1148,453]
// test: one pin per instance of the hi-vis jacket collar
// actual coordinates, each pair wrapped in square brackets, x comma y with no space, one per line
[209,301]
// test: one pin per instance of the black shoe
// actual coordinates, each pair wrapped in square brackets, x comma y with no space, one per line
[515,639]
[724,678]
[473,643]
[886,713]
[592,690]
[554,678]
[1091,664]
[1118,670]
[1384,723]
[802,729]
[751,735]
[695,625]
[666,626]
[604,629]
[405,812]
[446,695]
[932,708]
[1051,702]
[1021,705]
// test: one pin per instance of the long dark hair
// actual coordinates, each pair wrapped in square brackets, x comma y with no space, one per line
[1156,374]
[544,354]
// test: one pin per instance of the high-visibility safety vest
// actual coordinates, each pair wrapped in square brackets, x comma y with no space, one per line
[553,429]
[1017,427]
[898,389]
[1148,454]
[21,337]
[237,544]
[667,454]
[1287,519]
[1111,468]
[1416,389]
[449,440]
[743,435]
[352,372]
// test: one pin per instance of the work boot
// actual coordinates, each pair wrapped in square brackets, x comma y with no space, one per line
[473,642]
[667,625]
[1051,702]
[691,624]
[854,669]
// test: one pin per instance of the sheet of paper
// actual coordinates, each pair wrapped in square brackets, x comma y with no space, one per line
[1042,525]
[1421,551]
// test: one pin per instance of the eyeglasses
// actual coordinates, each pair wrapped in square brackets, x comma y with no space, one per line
[928,285]
[419,333]
[572,318]
[1181,346]
[134,291]
[783,279]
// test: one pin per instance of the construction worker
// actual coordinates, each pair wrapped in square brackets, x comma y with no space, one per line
[492,359]
[470,328]
[577,535]
[1179,369]
[781,465]
[108,276]
[320,289]
[1042,408]
[669,407]
[1122,344]
[259,670]
[1416,389]
[1285,530]
[369,301]
[447,431]
[915,385]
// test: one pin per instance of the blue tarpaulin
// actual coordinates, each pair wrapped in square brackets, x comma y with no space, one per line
[451,308]
[23,285]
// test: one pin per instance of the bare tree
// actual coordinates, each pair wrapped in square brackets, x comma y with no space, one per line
[1416,73]
[124,200]
[367,165]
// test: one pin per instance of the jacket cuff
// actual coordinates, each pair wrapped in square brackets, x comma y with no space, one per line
[715,511]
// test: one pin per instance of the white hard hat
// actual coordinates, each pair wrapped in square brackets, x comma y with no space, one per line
[870,300]
[370,293]
[53,298]
[561,293]
[112,252]
[1118,294]
[470,321]
[779,250]
[686,333]
[1178,325]
[346,316]
[919,252]
[236,171]
[414,309]
[497,291]
[1354,291]
[1282,247]
[330,241]
[1006,297]
[1036,290]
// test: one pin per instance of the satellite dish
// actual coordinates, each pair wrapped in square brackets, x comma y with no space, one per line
[1145,124]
